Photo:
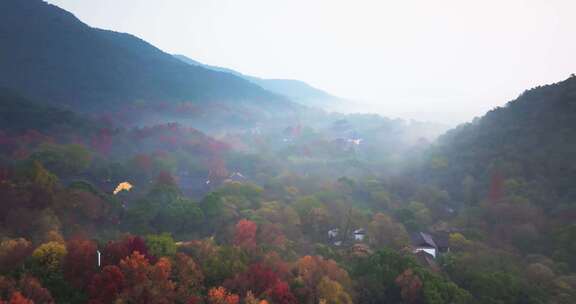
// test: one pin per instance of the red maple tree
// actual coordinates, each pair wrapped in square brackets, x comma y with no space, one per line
[245,234]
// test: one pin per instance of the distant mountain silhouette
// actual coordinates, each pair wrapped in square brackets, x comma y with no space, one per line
[295,90]
[48,54]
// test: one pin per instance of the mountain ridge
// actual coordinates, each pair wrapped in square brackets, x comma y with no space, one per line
[296,90]
[55,57]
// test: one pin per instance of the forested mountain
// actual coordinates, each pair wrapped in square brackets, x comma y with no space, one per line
[111,191]
[529,141]
[280,215]
[296,90]
[20,114]
[510,174]
[50,55]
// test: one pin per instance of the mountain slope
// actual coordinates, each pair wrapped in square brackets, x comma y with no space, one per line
[525,147]
[48,54]
[295,90]
[19,114]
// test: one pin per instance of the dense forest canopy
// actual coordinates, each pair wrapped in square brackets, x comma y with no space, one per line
[199,194]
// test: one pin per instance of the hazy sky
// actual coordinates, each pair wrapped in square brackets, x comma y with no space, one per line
[438,60]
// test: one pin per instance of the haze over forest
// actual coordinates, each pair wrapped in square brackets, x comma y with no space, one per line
[282,152]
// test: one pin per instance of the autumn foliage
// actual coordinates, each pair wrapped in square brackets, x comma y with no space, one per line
[28,288]
[80,263]
[120,249]
[32,288]
[13,252]
[257,278]
[293,217]
[220,295]
[280,293]
[189,277]
[245,234]
[145,283]
[17,298]
[106,285]
[410,285]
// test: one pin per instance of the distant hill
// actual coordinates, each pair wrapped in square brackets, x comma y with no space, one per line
[48,54]
[529,143]
[295,90]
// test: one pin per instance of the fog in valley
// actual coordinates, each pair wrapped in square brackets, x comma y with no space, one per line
[283,152]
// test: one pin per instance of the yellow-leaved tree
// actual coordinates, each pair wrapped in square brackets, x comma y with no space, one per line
[49,256]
